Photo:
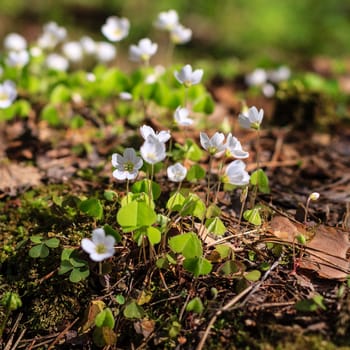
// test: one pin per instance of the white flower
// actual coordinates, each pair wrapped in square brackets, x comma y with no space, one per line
[100,247]
[280,74]
[176,172]
[180,34]
[143,51]
[158,71]
[17,58]
[127,165]
[235,148]
[52,35]
[188,77]
[252,119]
[88,44]
[8,93]
[268,90]
[35,51]
[257,77]
[125,96]
[162,136]
[213,145]
[73,50]
[91,77]
[115,28]
[167,20]
[15,42]
[314,196]
[153,151]
[57,62]
[105,52]
[236,173]
[181,116]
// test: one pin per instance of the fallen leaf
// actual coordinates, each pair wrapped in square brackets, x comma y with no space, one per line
[325,251]
[144,327]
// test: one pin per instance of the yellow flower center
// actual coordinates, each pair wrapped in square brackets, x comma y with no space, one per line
[101,249]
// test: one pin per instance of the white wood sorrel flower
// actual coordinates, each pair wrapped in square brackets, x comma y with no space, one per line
[181,116]
[180,34]
[146,131]
[52,35]
[188,77]
[17,58]
[115,28]
[105,52]
[15,42]
[167,20]
[127,165]
[234,147]
[101,246]
[152,150]
[176,172]
[8,93]
[251,119]
[212,145]
[56,62]
[236,173]
[143,51]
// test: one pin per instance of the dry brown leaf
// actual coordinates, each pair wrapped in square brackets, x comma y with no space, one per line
[325,251]
[14,176]
[144,327]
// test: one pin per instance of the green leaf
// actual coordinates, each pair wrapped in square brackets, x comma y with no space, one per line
[52,242]
[193,205]
[253,275]
[195,305]
[195,173]
[260,179]
[50,114]
[109,230]
[175,202]
[39,251]
[204,104]
[92,207]
[59,94]
[212,211]
[188,244]
[192,151]
[253,216]
[110,196]
[133,310]
[120,299]
[79,274]
[65,267]
[153,234]
[36,239]
[230,268]
[145,185]
[216,226]
[224,250]
[198,266]
[105,318]
[135,215]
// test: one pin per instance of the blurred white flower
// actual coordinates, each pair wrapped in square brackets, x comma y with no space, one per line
[236,173]
[143,51]
[146,131]
[181,116]
[88,44]
[280,74]
[17,58]
[73,51]
[91,77]
[105,52]
[213,145]
[127,165]
[125,96]
[8,93]
[176,172]
[56,62]
[188,77]
[257,77]
[158,71]
[35,51]
[252,119]
[268,90]
[15,42]
[152,150]
[115,28]
[101,246]
[314,196]
[234,147]
[52,35]
[167,20]
[180,34]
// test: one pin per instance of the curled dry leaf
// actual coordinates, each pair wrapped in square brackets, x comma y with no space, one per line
[144,327]
[326,248]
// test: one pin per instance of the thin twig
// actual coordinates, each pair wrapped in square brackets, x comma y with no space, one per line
[63,333]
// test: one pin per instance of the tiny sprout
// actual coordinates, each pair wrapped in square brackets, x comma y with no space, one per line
[314,196]
[11,301]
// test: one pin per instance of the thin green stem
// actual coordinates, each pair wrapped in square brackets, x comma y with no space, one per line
[208,179]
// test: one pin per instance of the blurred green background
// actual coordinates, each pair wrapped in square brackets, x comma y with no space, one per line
[279,30]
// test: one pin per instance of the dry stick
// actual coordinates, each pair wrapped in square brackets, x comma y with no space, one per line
[251,290]
[63,333]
